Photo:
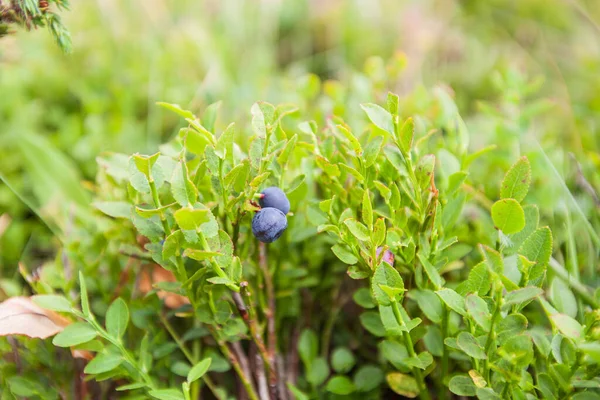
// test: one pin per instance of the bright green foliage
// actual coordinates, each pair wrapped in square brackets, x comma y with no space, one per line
[508,216]
[516,181]
[177,297]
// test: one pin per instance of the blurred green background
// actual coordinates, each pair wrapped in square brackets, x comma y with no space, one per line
[510,59]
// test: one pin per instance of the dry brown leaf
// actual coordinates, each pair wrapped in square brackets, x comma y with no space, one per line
[156,274]
[85,354]
[21,316]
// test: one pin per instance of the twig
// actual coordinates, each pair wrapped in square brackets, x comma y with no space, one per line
[281,387]
[292,358]
[233,360]
[248,317]
[263,388]
[270,314]
[242,358]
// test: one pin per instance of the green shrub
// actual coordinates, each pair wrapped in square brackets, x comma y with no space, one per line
[165,286]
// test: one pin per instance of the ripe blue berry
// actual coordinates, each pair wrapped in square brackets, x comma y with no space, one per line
[274,197]
[268,224]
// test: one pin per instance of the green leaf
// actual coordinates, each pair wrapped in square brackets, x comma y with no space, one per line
[508,216]
[283,157]
[210,115]
[367,210]
[371,321]
[296,393]
[379,232]
[342,360]
[176,108]
[487,394]
[318,371]
[199,370]
[520,296]
[424,170]
[145,163]
[200,255]
[480,280]
[405,135]
[85,304]
[363,298]
[462,385]
[115,209]
[404,385]
[357,229]
[329,168]
[516,181]
[191,219]
[429,303]
[352,171]
[183,190]
[479,311]
[368,378]
[385,275]
[117,318]
[262,117]
[492,258]
[172,245]
[131,386]
[432,272]
[150,227]
[422,361]
[341,385]
[563,298]
[470,345]
[372,150]
[53,302]
[452,300]
[568,326]
[351,138]
[538,248]
[379,117]
[167,394]
[74,334]
[308,346]
[510,326]
[103,363]
[393,103]
[224,146]
[344,254]
[518,350]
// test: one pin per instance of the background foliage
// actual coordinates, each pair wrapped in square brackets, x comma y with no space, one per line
[522,74]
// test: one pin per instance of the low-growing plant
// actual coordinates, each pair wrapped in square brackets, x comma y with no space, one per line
[395,276]
[30,14]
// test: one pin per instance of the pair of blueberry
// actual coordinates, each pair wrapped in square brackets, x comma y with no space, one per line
[270,221]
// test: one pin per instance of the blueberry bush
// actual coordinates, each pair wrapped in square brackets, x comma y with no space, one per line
[337,242]
[397,274]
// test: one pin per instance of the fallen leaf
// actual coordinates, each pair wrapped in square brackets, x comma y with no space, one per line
[157,274]
[85,354]
[20,316]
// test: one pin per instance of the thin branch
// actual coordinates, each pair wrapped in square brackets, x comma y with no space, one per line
[247,315]
[270,314]
[263,388]
[281,387]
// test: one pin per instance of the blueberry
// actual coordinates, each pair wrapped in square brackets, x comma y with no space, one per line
[388,256]
[274,197]
[268,224]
